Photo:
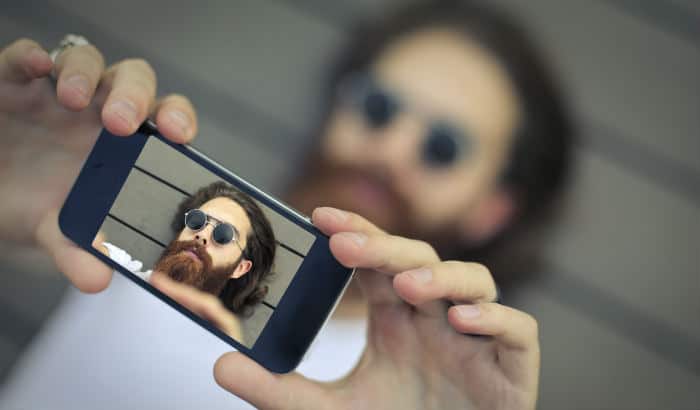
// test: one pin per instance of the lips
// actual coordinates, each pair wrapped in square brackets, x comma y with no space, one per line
[191,253]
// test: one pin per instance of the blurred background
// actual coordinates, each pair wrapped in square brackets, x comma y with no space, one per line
[617,301]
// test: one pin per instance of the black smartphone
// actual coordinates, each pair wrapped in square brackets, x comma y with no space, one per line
[239,262]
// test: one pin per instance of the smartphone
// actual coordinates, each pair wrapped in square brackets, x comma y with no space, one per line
[239,262]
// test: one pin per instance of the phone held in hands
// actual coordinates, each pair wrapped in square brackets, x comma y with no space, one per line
[239,262]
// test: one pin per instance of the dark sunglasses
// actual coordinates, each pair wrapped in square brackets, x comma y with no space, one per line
[443,145]
[223,233]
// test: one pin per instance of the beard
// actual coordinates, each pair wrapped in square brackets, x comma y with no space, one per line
[178,263]
[367,192]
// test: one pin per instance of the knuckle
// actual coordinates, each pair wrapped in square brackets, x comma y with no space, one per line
[479,269]
[178,99]
[142,66]
[427,249]
[488,310]
[94,53]
[531,325]
[23,43]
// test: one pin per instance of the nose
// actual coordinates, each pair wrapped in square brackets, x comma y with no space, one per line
[203,236]
[394,150]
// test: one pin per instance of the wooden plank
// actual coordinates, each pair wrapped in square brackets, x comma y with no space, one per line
[286,266]
[246,48]
[253,326]
[629,238]
[588,366]
[146,251]
[623,72]
[154,220]
[147,205]
[690,5]
[177,169]
[139,247]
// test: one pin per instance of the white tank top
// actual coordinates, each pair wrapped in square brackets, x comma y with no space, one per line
[125,349]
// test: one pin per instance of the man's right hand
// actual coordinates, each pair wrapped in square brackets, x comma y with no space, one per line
[48,131]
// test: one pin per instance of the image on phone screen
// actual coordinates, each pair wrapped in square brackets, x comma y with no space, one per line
[215,250]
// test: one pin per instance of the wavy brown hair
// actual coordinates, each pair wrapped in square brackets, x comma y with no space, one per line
[239,295]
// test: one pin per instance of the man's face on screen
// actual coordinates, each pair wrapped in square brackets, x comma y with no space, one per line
[385,170]
[196,259]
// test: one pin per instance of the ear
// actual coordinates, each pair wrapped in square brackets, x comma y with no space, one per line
[488,218]
[243,267]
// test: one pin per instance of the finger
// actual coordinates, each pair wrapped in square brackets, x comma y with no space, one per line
[132,85]
[78,70]
[23,61]
[84,270]
[458,282]
[248,380]
[381,252]
[176,118]
[332,220]
[514,331]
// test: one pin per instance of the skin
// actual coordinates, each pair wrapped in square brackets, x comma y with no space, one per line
[48,131]
[204,304]
[226,210]
[418,355]
[475,94]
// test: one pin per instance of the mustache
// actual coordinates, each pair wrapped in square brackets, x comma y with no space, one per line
[375,174]
[182,268]
[195,247]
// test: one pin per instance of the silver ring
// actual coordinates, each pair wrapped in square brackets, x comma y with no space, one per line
[70,40]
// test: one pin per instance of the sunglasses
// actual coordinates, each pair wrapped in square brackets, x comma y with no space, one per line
[223,233]
[444,144]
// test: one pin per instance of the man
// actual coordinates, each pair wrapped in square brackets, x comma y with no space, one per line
[459,153]
[443,123]
[224,247]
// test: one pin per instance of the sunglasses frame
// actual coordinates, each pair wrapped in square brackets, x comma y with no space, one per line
[215,224]
[357,86]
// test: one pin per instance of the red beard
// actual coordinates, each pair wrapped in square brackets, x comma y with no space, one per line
[368,192]
[181,266]
[327,183]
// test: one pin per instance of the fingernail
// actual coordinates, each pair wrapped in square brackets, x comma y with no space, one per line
[358,238]
[126,110]
[422,275]
[468,311]
[337,214]
[180,120]
[79,83]
[38,55]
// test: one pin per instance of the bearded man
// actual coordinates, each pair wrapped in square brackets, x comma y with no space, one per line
[225,248]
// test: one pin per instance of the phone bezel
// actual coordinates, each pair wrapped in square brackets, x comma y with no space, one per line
[294,322]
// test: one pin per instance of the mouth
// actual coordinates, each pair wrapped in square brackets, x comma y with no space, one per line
[368,192]
[192,254]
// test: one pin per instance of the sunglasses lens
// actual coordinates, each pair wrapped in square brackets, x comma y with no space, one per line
[223,234]
[379,108]
[195,219]
[441,147]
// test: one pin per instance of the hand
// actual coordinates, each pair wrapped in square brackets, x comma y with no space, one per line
[421,352]
[202,304]
[49,130]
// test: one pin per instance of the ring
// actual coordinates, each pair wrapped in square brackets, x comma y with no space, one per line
[70,40]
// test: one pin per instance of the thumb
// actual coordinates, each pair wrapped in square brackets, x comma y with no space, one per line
[265,390]
[84,270]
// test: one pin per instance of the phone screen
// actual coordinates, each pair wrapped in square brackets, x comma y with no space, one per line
[210,247]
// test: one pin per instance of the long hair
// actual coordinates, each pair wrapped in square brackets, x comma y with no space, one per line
[242,294]
[540,158]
